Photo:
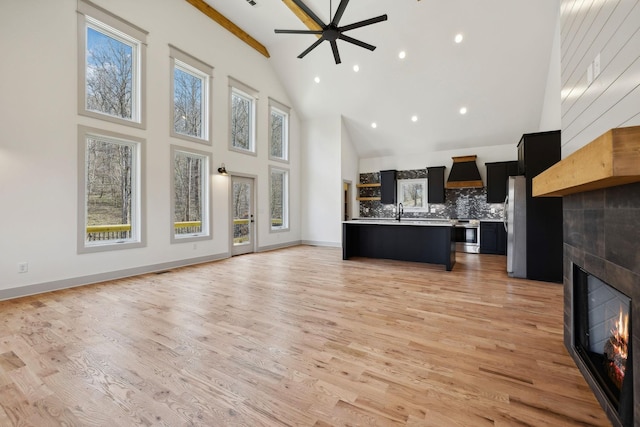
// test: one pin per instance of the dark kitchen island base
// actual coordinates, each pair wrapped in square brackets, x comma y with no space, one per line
[417,242]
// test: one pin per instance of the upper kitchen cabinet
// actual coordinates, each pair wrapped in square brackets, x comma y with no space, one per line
[497,175]
[537,152]
[388,187]
[435,184]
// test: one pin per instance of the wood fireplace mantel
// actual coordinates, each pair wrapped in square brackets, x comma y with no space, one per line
[611,159]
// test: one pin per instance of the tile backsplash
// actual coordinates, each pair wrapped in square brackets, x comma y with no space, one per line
[459,202]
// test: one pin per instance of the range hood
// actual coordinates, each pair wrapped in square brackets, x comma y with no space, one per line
[464,173]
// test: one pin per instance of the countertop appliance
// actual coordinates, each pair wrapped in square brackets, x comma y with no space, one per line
[467,235]
[515,223]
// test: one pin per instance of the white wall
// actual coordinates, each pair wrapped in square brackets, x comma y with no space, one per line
[349,164]
[38,141]
[551,117]
[322,182]
[611,29]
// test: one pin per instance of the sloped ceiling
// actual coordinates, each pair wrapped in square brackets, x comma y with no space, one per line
[498,72]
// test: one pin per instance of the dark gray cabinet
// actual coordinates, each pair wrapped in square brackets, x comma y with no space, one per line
[536,153]
[493,238]
[497,176]
[435,184]
[388,187]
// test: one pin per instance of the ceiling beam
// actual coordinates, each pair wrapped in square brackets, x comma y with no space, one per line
[203,7]
[306,20]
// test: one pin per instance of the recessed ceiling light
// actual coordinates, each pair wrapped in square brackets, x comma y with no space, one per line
[356,68]
[374,125]
[463,110]
[459,38]
[414,118]
[317,79]
[402,54]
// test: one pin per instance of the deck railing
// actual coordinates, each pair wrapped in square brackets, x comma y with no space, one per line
[123,231]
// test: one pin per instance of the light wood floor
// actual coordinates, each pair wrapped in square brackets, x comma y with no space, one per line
[295,337]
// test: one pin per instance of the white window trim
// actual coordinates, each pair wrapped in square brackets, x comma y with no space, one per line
[286,112]
[138,206]
[90,14]
[425,188]
[286,200]
[204,71]
[249,92]
[205,197]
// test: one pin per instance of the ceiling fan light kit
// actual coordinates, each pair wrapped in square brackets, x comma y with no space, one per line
[332,31]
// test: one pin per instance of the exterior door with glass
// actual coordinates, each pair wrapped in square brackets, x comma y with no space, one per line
[242,207]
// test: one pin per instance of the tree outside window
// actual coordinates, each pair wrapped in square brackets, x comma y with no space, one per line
[278,131]
[241,121]
[190,198]
[187,102]
[110,191]
[412,193]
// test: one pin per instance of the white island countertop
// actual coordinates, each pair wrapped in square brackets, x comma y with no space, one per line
[404,221]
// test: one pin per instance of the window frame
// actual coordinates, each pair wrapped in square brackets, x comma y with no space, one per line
[245,91]
[197,68]
[90,15]
[205,196]
[285,111]
[285,200]
[425,189]
[138,206]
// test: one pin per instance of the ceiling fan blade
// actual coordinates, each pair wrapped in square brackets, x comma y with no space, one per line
[336,54]
[297,32]
[310,48]
[339,12]
[363,23]
[309,12]
[356,42]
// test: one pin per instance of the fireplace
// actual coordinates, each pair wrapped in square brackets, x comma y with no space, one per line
[602,327]
[602,288]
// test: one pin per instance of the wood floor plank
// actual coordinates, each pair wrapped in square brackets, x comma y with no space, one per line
[295,337]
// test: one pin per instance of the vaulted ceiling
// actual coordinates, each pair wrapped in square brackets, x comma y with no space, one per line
[498,72]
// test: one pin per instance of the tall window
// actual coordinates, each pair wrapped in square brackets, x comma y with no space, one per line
[111,67]
[190,97]
[242,100]
[110,191]
[190,197]
[278,131]
[279,199]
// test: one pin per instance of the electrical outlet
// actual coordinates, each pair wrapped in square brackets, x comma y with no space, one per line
[23,267]
[596,66]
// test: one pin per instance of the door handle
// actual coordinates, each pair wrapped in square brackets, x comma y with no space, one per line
[506,213]
[252,220]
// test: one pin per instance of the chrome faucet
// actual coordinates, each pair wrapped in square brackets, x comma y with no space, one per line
[399,211]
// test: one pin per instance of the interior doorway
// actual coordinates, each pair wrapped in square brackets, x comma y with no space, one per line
[242,215]
[346,197]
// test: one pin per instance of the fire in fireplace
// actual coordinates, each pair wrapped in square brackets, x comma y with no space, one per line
[602,330]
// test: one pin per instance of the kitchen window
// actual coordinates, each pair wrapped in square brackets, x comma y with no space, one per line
[412,193]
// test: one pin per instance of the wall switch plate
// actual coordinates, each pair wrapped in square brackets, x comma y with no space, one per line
[23,267]
[590,74]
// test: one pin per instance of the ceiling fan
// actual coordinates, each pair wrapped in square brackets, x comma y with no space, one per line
[332,31]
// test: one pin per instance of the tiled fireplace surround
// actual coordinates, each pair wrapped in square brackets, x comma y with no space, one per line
[602,235]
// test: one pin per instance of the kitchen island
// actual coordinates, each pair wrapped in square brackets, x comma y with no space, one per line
[429,241]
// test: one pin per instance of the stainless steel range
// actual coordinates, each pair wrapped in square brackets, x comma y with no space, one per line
[467,235]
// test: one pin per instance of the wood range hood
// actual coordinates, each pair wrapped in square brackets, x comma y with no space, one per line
[611,159]
[464,173]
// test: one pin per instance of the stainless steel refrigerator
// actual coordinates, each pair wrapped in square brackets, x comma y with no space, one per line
[515,223]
